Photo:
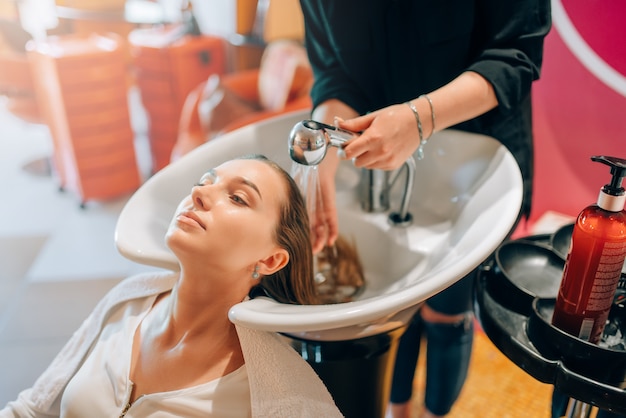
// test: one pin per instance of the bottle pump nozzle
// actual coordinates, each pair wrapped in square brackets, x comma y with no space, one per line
[612,196]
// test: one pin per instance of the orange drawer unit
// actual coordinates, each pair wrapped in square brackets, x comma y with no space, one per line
[16,83]
[167,67]
[81,81]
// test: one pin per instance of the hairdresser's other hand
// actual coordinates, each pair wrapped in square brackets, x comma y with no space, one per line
[389,137]
[325,225]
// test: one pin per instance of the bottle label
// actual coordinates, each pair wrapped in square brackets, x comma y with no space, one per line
[607,274]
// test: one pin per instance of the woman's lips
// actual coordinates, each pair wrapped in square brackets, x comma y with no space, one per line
[191,217]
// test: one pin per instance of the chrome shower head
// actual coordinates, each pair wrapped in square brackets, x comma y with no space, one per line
[309,141]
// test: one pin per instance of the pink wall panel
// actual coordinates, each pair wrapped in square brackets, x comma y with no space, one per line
[579,103]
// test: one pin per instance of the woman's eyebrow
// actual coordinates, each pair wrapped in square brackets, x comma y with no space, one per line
[239,179]
[250,184]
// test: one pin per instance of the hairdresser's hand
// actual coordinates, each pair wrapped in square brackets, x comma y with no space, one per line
[325,225]
[389,137]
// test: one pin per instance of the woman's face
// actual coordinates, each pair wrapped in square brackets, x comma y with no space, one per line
[228,221]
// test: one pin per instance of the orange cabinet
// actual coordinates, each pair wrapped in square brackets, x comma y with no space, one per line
[81,82]
[167,67]
[16,83]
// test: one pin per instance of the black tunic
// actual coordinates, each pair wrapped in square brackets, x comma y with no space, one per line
[370,54]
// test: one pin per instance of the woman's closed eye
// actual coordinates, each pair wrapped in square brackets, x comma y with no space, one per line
[238,199]
[236,187]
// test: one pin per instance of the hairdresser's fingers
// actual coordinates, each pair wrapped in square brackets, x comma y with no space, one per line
[332,231]
[369,151]
[325,223]
[388,142]
[370,160]
[325,231]
[358,124]
[319,238]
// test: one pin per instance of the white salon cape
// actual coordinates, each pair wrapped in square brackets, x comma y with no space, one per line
[280,382]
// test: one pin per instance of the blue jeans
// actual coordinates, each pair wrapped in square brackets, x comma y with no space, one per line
[448,348]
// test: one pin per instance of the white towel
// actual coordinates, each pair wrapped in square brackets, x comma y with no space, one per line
[282,384]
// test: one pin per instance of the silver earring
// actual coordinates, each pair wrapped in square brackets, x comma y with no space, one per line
[255,273]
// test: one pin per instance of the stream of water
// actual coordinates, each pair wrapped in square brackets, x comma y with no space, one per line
[307,178]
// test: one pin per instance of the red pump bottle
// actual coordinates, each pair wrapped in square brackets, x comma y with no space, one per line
[595,260]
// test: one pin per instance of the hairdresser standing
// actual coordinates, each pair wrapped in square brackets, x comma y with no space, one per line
[399,71]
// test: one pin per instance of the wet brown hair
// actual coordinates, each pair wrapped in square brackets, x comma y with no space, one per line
[341,271]
[294,282]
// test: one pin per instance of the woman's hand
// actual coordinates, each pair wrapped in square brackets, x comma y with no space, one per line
[389,137]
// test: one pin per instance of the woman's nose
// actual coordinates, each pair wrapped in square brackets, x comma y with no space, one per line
[201,197]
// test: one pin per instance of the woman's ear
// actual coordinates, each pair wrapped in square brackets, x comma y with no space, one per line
[274,262]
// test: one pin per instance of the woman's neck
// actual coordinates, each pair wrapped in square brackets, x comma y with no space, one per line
[197,306]
[187,337]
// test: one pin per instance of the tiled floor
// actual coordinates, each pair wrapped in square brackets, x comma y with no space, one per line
[57,260]
[495,387]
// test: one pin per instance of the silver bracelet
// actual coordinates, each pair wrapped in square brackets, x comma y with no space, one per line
[432,112]
[423,141]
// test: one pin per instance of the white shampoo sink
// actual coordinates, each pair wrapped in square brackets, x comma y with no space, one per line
[466,197]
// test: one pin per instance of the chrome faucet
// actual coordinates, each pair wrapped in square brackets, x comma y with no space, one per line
[309,141]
